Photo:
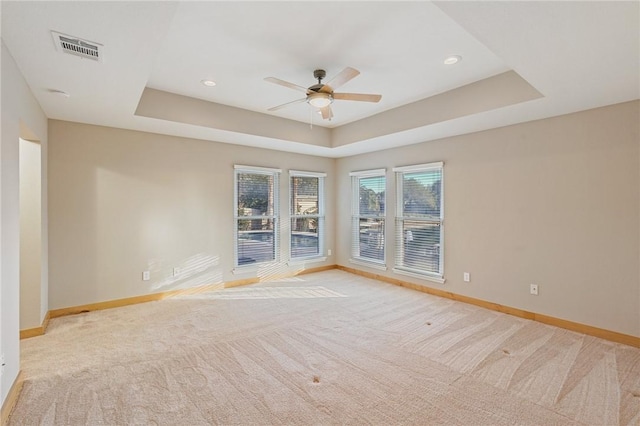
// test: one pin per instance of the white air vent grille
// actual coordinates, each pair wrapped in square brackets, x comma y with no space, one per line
[77,46]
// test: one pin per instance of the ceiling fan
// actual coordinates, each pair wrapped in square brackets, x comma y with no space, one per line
[321,95]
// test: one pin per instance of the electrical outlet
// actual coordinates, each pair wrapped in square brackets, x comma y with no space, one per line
[146,275]
[329,252]
[533,289]
[466,277]
[176,271]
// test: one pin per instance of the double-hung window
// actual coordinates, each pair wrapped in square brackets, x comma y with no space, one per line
[419,221]
[368,216]
[256,215]
[307,214]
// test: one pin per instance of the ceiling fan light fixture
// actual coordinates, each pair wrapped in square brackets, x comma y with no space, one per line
[320,100]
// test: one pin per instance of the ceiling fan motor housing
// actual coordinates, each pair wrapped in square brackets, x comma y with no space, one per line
[316,87]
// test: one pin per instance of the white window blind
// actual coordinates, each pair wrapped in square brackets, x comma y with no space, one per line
[419,220]
[307,214]
[256,215]
[368,216]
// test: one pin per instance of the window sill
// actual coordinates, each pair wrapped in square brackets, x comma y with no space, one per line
[304,260]
[422,276]
[368,264]
[253,267]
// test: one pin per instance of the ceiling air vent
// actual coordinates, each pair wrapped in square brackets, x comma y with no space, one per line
[77,46]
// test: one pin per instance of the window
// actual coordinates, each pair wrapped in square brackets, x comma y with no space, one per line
[419,213]
[368,217]
[307,214]
[256,214]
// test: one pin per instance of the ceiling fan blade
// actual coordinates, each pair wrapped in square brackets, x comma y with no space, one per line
[344,76]
[362,97]
[326,112]
[297,101]
[286,84]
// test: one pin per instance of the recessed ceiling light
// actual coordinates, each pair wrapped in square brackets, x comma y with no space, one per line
[208,83]
[61,93]
[453,59]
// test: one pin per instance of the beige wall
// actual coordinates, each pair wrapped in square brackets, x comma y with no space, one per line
[552,202]
[123,202]
[30,234]
[21,117]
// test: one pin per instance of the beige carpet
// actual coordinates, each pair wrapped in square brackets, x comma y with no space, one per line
[325,348]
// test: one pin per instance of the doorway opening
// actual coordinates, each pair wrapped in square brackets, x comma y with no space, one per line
[31,293]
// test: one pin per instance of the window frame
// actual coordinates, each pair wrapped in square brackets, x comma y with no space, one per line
[356,216]
[320,216]
[275,216]
[400,218]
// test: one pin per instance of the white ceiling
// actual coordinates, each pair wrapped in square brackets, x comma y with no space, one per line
[578,55]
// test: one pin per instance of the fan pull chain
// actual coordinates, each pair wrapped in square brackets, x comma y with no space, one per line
[310,118]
